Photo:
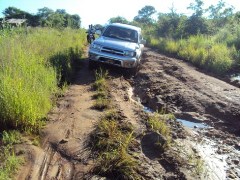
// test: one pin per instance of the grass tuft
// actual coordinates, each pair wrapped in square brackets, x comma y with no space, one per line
[112,145]
[158,123]
[11,137]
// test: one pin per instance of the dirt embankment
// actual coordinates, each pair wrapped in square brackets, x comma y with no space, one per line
[161,81]
[169,83]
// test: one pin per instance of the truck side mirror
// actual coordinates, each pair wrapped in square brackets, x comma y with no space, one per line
[143,41]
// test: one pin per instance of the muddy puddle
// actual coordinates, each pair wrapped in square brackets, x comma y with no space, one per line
[190,124]
[235,77]
[220,160]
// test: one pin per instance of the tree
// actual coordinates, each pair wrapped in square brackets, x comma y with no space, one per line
[12,12]
[59,18]
[197,7]
[45,17]
[45,12]
[118,19]
[220,14]
[55,20]
[171,25]
[196,23]
[76,21]
[145,15]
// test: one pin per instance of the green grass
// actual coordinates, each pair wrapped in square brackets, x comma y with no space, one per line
[158,123]
[9,162]
[33,64]
[101,87]
[100,83]
[204,52]
[11,137]
[197,163]
[111,141]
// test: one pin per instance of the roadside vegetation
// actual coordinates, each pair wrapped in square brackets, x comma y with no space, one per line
[9,161]
[100,85]
[36,64]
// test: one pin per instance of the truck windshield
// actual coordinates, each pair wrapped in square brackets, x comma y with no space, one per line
[121,33]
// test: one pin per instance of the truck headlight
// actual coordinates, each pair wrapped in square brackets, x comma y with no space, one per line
[96,47]
[129,53]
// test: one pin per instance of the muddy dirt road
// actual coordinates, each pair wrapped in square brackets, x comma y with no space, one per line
[161,83]
[169,83]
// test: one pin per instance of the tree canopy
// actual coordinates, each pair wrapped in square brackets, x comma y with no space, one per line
[118,19]
[45,17]
[145,15]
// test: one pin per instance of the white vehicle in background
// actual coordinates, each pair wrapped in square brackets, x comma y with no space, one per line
[119,45]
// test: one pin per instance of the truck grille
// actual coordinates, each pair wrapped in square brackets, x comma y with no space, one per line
[110,61]
[112,51]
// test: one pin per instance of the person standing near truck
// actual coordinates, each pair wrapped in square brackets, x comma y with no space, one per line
[90,34]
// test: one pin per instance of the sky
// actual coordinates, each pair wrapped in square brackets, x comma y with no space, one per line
[100,11]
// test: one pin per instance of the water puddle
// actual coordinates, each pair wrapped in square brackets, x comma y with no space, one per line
[215,165]
[148,110]
[190,124]
[221,161]
[132,96]
[235,77]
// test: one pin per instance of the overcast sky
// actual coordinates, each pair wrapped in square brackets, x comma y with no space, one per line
[100,11]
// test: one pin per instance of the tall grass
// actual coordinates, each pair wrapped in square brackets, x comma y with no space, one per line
[202,51]
[111,140]
[32,65]
[9,162]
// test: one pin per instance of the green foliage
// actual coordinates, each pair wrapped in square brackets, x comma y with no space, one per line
[112,143]
[101,86]
[45,17]
[200,50]
[144,15]
[100,83]
[111,139]
[118,19]
[28,76]
[11,137]
[9,162]
[171,25]
[197,7]
[158,124]
[15,13]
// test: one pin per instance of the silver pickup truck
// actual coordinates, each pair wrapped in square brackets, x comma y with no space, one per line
[119,45]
